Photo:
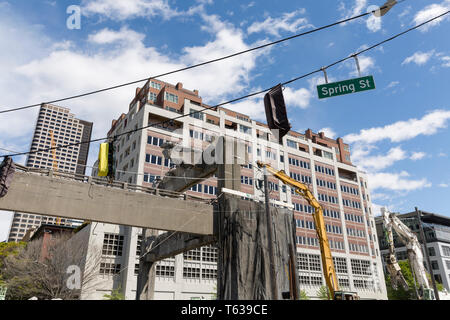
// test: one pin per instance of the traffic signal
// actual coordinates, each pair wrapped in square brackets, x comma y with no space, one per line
[103,160]
[276,113]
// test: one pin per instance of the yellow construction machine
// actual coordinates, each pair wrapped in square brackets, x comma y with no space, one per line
[327,259]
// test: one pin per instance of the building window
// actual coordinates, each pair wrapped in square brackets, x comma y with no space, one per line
[340,265]
[112,244]
[434,265]
[291,144]
[193,255]
[171,97]
[155,85]
[245,129]
[109,268]
[152,96]
[360,267]
[446,251]
[209,254]
[165,269]
[196,114]
[209,274]
[191,272]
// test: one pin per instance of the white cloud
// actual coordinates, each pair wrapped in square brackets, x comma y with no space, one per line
[417,156]
[357,8]
[403,130]
[446,61]
[108,36]
[37,70]
[366,64]
[396,181]
[443,185]
[127,9]
[373,23]
[297,98]
[375,163]
[328,132]
[393,84]
[419,58]
[430,12]
[290,22]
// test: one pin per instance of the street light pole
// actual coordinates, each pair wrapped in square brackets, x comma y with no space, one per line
[422,235]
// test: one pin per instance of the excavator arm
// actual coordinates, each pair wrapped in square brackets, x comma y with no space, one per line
[392,265]
[327,259]
[414,251]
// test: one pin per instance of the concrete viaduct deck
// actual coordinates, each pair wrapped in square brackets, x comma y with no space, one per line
[57,194]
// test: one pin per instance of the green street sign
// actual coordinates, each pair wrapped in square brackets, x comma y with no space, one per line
[334,89]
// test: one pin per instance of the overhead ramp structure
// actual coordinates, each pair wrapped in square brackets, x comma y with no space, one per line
[74,196]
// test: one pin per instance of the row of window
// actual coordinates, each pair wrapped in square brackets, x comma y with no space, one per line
[299,163]
[158,160]
[109,268]
[196,114]
[324,170]
[356,233]
[207,254]
[150,178]
[203,188]
[334,244]
[171,97]
[112,244]
[300,177]
[351,203]
[307,241]
[361,267]
[194,273]
[327,198]
[247,180]
[326,184]
[155,141]
[308,262]
[350,190]
[362,248]
[200,136]
[305,224]
[331,213]
[303,208]
[333,229]
[353,217]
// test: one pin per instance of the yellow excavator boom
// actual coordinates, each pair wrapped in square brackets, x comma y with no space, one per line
[327,259]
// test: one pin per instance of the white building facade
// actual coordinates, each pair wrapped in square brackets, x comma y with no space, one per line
[338,185]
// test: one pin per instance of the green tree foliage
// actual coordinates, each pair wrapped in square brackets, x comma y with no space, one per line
[8,249]
[116,294]
[322,293]
[400,293]
[303,295]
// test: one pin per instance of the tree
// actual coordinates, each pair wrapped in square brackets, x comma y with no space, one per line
[303,295]
[30,273]
[402,294]
[116,294]
[322,293]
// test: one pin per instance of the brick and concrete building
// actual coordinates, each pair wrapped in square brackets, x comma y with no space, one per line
[61,124]
[322,163]
[437,236]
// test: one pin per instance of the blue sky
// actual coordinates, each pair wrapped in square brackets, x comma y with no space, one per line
[398,133]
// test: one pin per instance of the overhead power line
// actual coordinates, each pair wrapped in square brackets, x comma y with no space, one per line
[236,99]
[196,65]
